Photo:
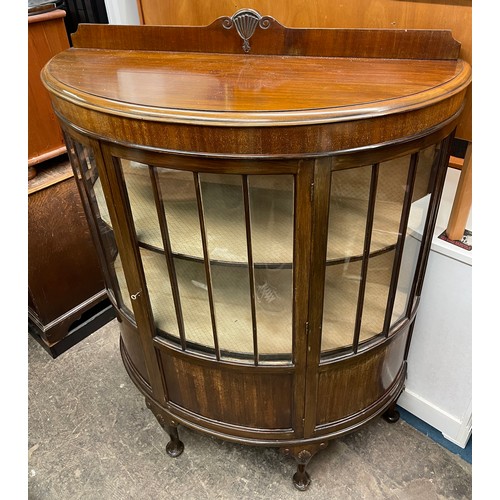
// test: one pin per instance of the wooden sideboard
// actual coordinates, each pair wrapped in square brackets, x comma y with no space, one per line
[66,295]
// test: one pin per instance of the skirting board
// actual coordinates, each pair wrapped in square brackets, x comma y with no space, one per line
[456,430]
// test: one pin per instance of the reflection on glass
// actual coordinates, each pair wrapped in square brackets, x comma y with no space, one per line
[350,190]
[274,302]
[271,207]
[416,222]
[142,202]
[224,213]
[341,298]
[349,194]
[160,291]
[83,161]
[224,219]
[378,281]
[391,189]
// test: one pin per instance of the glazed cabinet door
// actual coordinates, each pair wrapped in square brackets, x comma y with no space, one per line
[368,270]
[214,255]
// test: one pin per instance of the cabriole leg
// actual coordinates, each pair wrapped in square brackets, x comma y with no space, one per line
[175,446]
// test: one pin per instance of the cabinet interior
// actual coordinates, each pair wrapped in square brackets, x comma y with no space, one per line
[230,210]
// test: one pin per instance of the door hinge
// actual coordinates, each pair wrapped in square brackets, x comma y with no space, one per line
[312,191]
[306,327]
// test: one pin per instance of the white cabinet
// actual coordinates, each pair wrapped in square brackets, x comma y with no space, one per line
[439,385]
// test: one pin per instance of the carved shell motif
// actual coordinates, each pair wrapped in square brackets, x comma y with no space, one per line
[246,22]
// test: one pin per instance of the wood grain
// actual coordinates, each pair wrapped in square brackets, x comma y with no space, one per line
[454,15]
[46,37]
[462,202]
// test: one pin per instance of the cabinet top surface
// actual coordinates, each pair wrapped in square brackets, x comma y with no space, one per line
[246,89]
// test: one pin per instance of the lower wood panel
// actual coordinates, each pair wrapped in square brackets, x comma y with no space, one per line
[349,386]
[261,400]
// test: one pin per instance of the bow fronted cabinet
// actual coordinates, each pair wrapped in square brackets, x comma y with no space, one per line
[250,188]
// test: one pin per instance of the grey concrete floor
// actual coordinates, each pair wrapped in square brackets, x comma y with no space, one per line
[91,437]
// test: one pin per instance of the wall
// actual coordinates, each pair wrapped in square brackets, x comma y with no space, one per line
[122,11]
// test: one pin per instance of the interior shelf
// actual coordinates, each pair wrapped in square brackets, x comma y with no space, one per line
[271,212]
[273,320]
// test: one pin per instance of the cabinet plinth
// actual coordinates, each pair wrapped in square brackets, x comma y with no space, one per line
[250,194]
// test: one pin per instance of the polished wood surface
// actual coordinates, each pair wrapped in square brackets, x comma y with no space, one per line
[46,37]
[234,99]
[200,392]
[454,15]
[237,88]
[273,39]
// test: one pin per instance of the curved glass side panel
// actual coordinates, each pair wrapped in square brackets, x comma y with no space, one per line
[413,237]
[377,217]
[86,172]
[392,182]
[349,197]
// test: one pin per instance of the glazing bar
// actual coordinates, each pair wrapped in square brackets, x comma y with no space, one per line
[366,255]
[403,225]
[442,164]
[206,260]
[251,271]
[165,236]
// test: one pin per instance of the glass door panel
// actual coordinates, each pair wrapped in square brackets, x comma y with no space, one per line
[217,253]
[349,197]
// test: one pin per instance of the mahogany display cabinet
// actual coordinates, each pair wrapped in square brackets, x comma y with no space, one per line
[249,188]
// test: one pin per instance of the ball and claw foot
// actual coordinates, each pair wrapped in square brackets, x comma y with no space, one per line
[303,454]
[391,415]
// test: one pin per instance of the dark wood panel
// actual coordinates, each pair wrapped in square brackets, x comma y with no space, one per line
[221,36]
[229,395]
[64,276]
[348,386]
[133,348]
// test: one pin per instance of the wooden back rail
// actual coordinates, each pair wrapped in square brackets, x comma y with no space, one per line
[273,39]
